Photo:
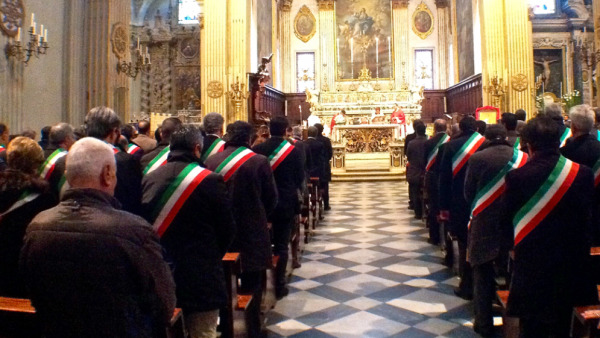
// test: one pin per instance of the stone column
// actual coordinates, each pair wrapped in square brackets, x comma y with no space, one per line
[493,49]
[74,58]
[286,46]
[237,50]
[327,43]
[11,91]
[443,25]
[400,22]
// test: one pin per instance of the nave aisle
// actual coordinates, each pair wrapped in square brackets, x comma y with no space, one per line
[369,272]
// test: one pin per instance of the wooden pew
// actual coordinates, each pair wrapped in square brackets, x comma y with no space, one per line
[315,202]
[234,316]
[305,214]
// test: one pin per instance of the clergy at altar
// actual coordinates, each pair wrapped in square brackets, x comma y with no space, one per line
[191,212]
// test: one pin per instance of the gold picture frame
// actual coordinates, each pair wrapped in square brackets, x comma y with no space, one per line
[305,24]
[422,21]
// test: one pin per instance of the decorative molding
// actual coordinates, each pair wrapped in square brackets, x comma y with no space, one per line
[550,42]
[325,5]
[12,13]
[400,4]
[441,3]
[420,19]
[285,5]
[305,24]
[119,40]
[215,89]
[576,9]
[519,82]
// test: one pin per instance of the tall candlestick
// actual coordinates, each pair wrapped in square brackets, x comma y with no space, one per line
[377,50]
[42,30]
[338,50]
[46,35]
[32,19]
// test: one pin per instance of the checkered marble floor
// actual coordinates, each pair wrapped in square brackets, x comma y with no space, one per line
[369,272]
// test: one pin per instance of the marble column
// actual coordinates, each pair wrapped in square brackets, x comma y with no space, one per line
[286,45]
[443,26]
[74,60]
[400,22]
[493,48]
[238,49]
[327,43]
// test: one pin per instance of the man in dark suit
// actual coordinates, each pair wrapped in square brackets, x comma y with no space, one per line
[143,138]
[548,206]
[317,153]
[433,157]
[483,187]
[157,157]
[251,186]
[509,121]
[407,140]
[61,138]
[288,170]
[555,112]
[198,234]
[301,145]
[213,127]
[104,124]
[453,206]
[328,153]
[416,168]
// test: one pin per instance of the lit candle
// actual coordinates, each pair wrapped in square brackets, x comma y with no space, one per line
[46,35]
[390,50]
[34,27]
[352,51]
[377,50]
[338,50]
[19,34]
[42,30]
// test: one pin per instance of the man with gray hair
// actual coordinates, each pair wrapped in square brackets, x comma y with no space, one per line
[213,127]
[61,139]
[91,267]
[555,112]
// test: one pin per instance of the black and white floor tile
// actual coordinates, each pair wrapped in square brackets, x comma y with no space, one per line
[369,272]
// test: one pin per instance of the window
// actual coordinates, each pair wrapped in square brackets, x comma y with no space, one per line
[543,6]
[424,68]
[188,12]
[305,69]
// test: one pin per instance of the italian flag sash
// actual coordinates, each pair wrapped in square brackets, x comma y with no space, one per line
[176,194]
[216,147]
[597,135]
[25,198]
[517,143]
[2,148]
[48,166]
[468,149]
[133,148]
[234,162]
[280,154]
[494,189]
[62,186]
[545,199]
[159,160]
[596,170]
[565,136]
[433,156]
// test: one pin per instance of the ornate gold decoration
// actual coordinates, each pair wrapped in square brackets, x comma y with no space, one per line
[497,90]
[119,40]
[215,89]
[326,4]
[305,24]
[365,74]
[399,3]
[285,5]
[237,95]
[11,16]
[370,140]
[422,21]
[519,82]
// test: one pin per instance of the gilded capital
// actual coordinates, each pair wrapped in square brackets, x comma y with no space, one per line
[400,3]
[325,5]
[285,5]
[441,3]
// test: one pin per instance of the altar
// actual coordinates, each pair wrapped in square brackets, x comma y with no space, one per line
[371,138]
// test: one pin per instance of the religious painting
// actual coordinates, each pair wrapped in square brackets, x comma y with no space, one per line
[305,25]
[364,39]
[464,34]
[549,70]
[423,21]
[187,88]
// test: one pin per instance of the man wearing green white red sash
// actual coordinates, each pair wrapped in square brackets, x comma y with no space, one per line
[288,170]
[484,186]
[433,151]
[584,148]
[251,185]
[548,208]
[190,209]
[555,112]
[128,133]
[158,157]
[509,121]
[61,138]
[453,206]
[213,127]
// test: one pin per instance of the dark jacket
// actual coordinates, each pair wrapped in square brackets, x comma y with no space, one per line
[13,224]
[433,175]
[149,156]
[407,141]
[485,236]
[145,142]
[328,155]
[129,182]
[198,237]
[254,196]
[417,160]
[96,271]
[551,264]
[57,174]
[305,153]
[511,137]
[317,153]
[289,175]
[208,141]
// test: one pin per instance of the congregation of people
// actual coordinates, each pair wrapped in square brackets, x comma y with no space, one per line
[515,206]
[109,227]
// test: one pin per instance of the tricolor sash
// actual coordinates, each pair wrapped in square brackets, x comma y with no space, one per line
[494,189]
[280,153]
[565,136]
[433,156]
[217,146]
[517,143]
[25,198]
[233,162]
[596,170]
[464,154]
[598,135]
[545,199]
[48,166]
[159,160]
[133,148]
[115,149]
[63,185]
[2,148]
[176,194]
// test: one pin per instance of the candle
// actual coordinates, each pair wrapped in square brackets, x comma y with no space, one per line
[34,27]
[338,50]
[46,35]
[149,60]
[138,45]
[352,52]
[377,50]
[42,30]
[390,50]
[19,34]
[32,19]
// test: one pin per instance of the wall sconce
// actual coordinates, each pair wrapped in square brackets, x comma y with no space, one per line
[131,69]
[36,46]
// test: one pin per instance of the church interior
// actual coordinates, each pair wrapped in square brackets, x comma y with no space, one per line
[367,267]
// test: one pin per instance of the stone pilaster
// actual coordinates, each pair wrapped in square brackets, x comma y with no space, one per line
[443,25]
[74,59]
[11,91]
[326,44]
[286,45]
[400,22]
[493,51]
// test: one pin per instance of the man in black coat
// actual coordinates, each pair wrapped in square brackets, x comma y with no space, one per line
[409,138]
[302,146]
[317,153]
[548,206]
[94,270]
[328,153]
[252,189]
[213,127]
[104,124]
[555,112]
[199,233]
[433,157]
[509,121]
[158,156]
[415,170]
[288,170]
[453,206]
[61,138]
[483,187]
